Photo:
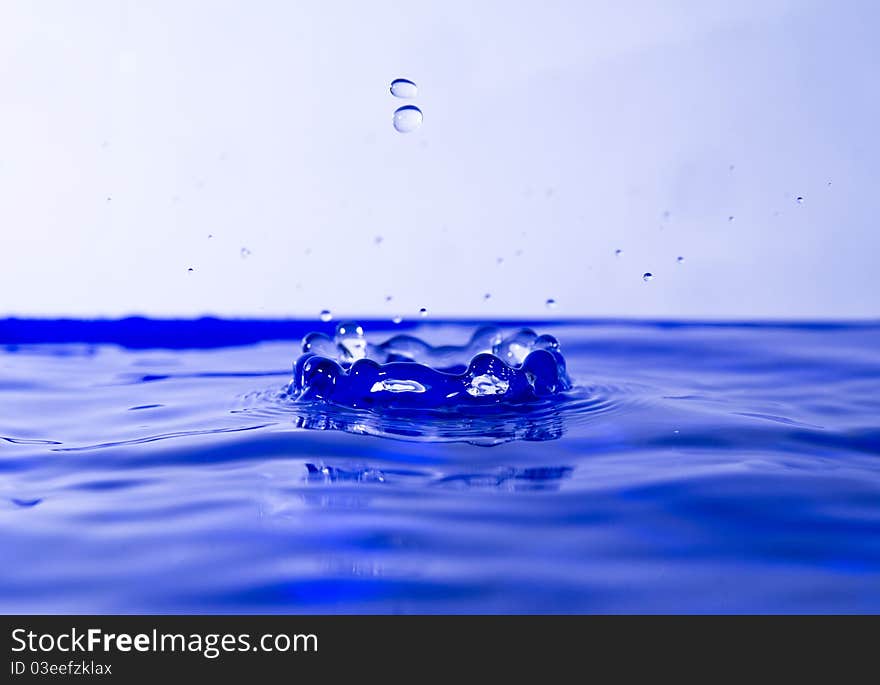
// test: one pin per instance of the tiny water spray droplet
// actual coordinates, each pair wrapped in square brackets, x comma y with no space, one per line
[647,276]
[617,253]
[397,319]
[679,259]
[730,218]
[423,312]
[404,88]
[799,199]
[326,315]
[245,253]
[487,296]
[407,118]
[551,303]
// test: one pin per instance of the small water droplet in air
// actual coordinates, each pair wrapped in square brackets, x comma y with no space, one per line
[397,319]
[326,315]
[404,88]
[800,199]
[388,298]
[679,259]
[109,199]
[499,260]
[423,312]
[407,118]
[666,214]
[647,276]
[617,253]
[731,167]
[245,253]
[551,303]
[210,235]
[730,218]
[829,184]
[378,240]
[487,296]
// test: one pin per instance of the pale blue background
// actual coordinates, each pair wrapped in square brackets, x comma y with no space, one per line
[129,132]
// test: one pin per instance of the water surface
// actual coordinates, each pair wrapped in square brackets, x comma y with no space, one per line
[157,467]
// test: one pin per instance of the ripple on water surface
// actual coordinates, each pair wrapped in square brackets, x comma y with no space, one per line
[637,467]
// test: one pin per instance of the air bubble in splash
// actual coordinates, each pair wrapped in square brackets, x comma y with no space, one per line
[407,119]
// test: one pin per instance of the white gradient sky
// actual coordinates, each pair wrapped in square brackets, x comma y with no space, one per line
[130,131]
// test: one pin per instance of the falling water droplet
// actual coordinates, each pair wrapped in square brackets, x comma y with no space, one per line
[647,276]
[407,118]
[679,259]
[397,319]
[378,240]
[487,296]
[388,298]
[499,260]
[245,253]
[404,88]
[423,312]
[551,303]
[190,269]
[800,199]
[617,253]
[326,315]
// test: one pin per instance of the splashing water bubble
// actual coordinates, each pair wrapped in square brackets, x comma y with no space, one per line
[647,276]
[351,340]
[404,88]
[325,315]
[405,371]
[407,119]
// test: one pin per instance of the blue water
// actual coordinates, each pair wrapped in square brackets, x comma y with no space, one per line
[164,467]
